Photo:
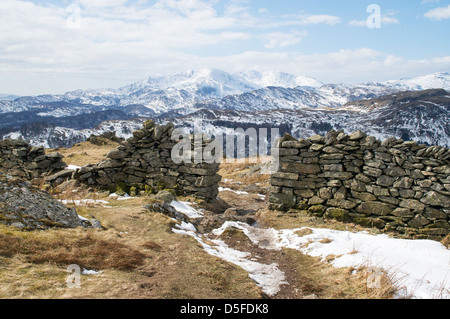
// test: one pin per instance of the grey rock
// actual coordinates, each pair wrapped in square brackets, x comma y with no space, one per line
[356,136]
[434,198]
[33,208]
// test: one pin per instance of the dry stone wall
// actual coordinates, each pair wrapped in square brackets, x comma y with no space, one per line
[19,159]
[144,163]
[396,186]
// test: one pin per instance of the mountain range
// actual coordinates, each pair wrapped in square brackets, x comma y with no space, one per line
[416,108]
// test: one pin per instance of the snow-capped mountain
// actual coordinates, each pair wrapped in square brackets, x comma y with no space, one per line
[422,116]
[51,136]
[430,81]
[268,97]
[9,97]
[184,92]
[324,96]
[279,79]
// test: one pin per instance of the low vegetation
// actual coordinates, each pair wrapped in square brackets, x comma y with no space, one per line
[137,255]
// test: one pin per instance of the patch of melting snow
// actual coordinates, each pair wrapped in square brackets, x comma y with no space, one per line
[268,277]
[91,272]
[421,268]
[82,202]
[186,209]
[73,167]
[266,238]
[222,189]
[124,197]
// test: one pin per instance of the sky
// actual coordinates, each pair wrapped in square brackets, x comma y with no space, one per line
[52,47]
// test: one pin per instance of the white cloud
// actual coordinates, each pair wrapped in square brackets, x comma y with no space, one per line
[119,42]
[385,20]
[305,19]
[438,14]
[101,3]
[283,39]
[353,66]
[318,19]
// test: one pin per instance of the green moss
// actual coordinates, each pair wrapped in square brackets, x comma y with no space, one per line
[316,210]
[50,223]
[178,190]
[3,218]
[302,206]
[122,188]
[149,190]
[338,214]
[370,222]
[363,221]
[161,186]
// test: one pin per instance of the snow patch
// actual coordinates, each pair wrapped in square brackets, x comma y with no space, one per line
[268,277]
[82,202]
[222,189]
[421,268]
[90,272]
[186,209]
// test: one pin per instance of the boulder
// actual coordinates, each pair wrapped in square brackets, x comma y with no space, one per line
[29,208]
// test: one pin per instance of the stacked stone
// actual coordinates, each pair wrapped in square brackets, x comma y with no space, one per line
[393,185]
[19,159]
[144,161]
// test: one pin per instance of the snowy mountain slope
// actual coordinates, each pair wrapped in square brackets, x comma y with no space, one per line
[279,79]
[299,105]
[431,81]
[244,91]
[8,97]
[325,96]
[421,116]
[51,136]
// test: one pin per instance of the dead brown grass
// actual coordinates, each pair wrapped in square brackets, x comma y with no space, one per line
[246,171]
[321,279]
[137,252]
[85,153]
[88,251]
[141,257]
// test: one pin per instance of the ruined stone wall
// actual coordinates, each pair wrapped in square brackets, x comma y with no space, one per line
[19,159]
[393,185]
[144,163]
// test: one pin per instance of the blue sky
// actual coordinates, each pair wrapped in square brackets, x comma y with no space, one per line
[49,46]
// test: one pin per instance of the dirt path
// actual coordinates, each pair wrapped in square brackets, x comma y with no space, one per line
[247,203]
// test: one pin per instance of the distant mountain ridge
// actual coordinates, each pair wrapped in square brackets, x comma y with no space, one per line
[230,100]
[183,91]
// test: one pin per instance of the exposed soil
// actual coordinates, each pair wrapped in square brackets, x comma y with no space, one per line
[252,204]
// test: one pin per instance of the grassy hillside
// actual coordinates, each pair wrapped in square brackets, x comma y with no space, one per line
[137,255]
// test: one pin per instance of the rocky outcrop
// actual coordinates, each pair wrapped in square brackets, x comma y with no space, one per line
[19,159]
[28,208]
[103,138]
[393,185]
[144,163]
